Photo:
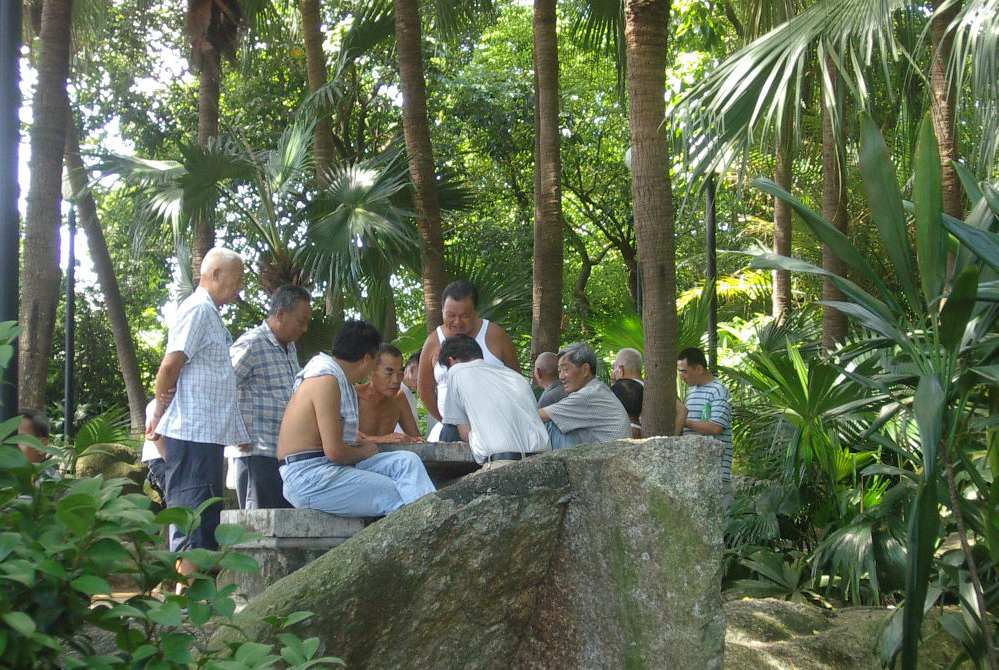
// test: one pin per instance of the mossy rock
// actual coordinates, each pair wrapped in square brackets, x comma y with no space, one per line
[604,556]
[112,460]
[768,633]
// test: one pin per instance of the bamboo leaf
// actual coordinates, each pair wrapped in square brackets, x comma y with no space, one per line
[931,239]
[983,243]
[923,525]
[960,304]
[885,200]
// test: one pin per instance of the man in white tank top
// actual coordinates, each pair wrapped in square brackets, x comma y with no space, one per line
[461,317]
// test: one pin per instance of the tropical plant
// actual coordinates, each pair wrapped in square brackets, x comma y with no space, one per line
[778,577]
[935,344]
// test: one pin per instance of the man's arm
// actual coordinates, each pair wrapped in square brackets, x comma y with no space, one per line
[463,431]
[241,354]
[426,385]
[406,418]
[505,350]
[681,416]
[325,396]
[704,427]
[166,385]
[544,415]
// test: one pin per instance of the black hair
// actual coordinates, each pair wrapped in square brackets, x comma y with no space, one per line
[693,356]
[355,340]
[286,297]
[460,290]
[39,423]
[387,349]
[631,394]
[461,348]
[413,358]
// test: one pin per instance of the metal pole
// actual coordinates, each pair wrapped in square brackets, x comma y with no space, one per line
[712,274]
[70,326]
[10,103]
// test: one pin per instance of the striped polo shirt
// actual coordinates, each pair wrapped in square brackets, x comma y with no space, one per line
[712,402]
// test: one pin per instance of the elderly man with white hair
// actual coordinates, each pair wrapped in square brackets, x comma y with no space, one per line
[196,410]
[627,365]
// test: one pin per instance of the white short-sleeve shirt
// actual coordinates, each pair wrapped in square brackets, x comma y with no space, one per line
[204,407]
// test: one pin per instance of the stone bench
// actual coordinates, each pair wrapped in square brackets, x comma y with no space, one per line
[292,538]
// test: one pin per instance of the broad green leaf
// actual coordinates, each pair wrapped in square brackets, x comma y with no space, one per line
[885,200]
[828,235]
[181,517]
[177,647]
[870,320]
[240,563]
[984,243]
[931,240]
[928,407]
[92,585]
[957,310]
[989,372]
[296,617]
[8,542]
[199,613]
[923,525]
[968,181]
[203,558]
[11,458]
[252,653]
[228,534]
[77,512]
[165,614]
[20,622]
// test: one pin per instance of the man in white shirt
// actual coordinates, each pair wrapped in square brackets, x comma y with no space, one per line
[493,408]
[196,411]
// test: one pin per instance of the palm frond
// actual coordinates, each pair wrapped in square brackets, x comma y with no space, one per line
[111,426]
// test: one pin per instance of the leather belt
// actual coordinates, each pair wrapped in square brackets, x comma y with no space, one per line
[300,456]
[510,456]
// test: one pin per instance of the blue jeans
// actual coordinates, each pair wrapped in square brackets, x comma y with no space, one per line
[194,473]
[558,439]
[375,486]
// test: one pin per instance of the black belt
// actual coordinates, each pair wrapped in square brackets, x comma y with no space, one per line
[510,456]
[300,456]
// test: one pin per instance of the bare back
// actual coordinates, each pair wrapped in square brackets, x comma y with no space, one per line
[300,427]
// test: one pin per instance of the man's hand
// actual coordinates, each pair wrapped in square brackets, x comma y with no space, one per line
[245,447]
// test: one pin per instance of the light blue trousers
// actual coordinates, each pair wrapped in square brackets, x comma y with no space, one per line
[375,486]
[558,439]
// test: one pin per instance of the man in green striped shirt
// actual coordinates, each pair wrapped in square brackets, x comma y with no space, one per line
[709,406]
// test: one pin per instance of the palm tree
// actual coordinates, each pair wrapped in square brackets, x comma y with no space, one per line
[547,292]
[40,269]
[834,208]
[124,345]
[646,25]
[315,67]
[213,27]
[409,43]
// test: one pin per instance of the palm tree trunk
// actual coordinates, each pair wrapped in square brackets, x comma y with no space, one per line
[40,267]
[115,306]
[546,305]
[315,68]
[942,108]
[781,296]
[421,157]
[208,128]
[646,25]
[834,209]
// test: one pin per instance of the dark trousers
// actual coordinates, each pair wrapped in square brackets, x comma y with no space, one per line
[259,484]
[449,433]
[157,476]
[195,472]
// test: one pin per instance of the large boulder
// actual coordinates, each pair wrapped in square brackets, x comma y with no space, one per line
[112,460]
[602,556]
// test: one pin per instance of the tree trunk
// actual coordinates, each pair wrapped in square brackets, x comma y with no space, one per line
[646,24]
[40,267]
[125,347]
[942,108]
[546,304]
[208,128]
[421,157]
[834,209]
[782,215]
[315,67]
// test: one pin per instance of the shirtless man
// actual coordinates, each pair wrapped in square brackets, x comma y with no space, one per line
[459,308]
[323,464]
[383,405]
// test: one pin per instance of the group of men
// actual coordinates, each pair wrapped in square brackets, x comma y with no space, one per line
[309,436]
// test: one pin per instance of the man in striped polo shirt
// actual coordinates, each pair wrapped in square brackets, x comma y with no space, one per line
[709,408]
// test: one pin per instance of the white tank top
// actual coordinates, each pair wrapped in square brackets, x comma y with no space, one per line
[440,371]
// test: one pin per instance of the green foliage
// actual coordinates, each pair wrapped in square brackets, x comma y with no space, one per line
[922,353]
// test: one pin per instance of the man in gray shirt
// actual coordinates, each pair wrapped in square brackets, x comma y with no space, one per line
[590,412]
[546,379]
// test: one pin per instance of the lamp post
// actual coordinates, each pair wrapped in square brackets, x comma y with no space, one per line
[10,103]
[68,400]
[710,224]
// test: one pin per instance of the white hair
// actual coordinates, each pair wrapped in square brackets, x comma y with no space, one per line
[219,257]
[631,360]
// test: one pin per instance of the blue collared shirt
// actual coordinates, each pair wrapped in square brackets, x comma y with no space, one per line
[265,373]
